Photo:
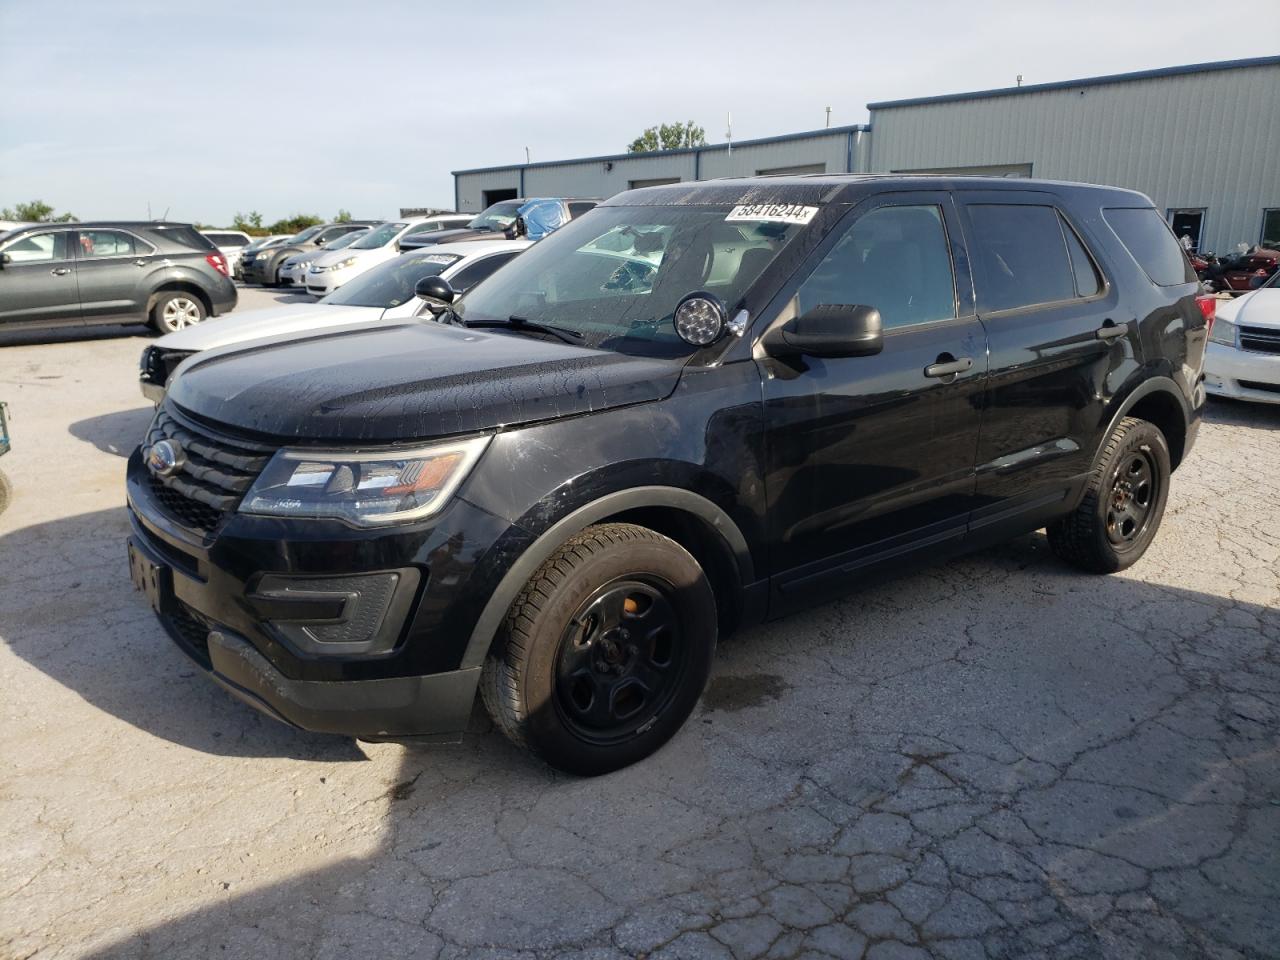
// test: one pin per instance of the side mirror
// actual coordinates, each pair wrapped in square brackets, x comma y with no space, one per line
[831,330]
[437,292]
[5,260]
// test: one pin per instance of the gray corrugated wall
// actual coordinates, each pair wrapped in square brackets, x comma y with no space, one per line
[594,178]
[1194,140]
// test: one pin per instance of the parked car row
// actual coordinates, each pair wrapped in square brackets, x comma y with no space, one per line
[695,407]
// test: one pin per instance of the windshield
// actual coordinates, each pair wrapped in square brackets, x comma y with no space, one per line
[390,284]
[305,235]
[379,237]
[616,276]
[498,217]
[346,240]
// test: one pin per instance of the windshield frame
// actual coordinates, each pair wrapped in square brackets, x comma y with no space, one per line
[303,236]
[391,229]
[479,223]
[621,318]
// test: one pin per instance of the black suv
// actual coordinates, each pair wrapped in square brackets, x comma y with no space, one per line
[263,266]
[167,274]
[695,407]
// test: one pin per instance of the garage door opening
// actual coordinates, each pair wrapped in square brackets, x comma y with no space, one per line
[493,196]
[1187,223]
[651,182]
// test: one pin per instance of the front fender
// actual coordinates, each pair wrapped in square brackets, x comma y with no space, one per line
[533,554]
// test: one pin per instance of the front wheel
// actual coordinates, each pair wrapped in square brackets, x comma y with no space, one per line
[1123,503]
[604,652]
[176,310]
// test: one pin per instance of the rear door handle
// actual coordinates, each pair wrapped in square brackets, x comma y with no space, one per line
[948,368]
[1110,330]
[60,271]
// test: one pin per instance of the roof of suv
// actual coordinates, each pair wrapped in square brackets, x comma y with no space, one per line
[823,188]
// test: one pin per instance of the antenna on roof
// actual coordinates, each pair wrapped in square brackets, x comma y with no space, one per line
[148,209]
[1019,79]
[728,134]
[526,155]
[828,117]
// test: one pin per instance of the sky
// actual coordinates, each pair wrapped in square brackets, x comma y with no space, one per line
[202,110]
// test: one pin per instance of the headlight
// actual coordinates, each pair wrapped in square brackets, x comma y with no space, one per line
[343,264]
[365,489]
[1224,331]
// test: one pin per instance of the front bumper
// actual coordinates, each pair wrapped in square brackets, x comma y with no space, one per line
[1242,374]
[207,588]
[323,284]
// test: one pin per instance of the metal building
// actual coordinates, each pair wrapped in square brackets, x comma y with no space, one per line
[1203,141]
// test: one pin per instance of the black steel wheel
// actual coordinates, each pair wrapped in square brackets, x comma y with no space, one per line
[1123,503]
[604,653]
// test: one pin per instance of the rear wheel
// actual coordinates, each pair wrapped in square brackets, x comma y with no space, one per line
[176,310]
[1123,503]
[605,651]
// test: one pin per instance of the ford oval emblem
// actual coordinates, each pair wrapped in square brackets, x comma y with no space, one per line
[165,458]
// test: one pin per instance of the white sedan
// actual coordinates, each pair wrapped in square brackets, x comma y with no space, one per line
[386,292]
[1243,359]
[331,269]
[293,272]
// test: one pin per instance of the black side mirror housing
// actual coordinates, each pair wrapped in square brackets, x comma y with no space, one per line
[5,259]
[830,330]
[437,292]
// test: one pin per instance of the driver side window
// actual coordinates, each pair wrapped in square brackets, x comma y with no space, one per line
[894,258]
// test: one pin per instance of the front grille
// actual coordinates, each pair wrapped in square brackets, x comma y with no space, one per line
[1257,385]
[1260,339]
[213,474]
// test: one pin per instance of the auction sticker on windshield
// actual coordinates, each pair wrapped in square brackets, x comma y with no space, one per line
[771,213]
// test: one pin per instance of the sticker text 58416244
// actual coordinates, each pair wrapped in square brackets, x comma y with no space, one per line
[771,213]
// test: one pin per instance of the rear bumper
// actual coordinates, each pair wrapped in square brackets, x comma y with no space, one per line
[1242,374]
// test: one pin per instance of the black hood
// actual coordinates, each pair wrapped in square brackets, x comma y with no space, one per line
[408,380]
[454,235]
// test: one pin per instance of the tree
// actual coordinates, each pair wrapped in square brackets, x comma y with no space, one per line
[344,216]
[669,136]
[250,224]
[36,211]
[295,224]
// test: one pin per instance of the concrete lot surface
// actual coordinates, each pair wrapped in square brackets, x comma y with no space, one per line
[999,757]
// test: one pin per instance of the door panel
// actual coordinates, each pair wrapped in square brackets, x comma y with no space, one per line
[871,457]
[111,268]
[1053,365]
[39,285]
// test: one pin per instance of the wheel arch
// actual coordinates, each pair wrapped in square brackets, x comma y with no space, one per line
[179,286]
[693,521]
[1159,401]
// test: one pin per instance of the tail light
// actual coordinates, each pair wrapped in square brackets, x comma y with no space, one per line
[218,262]
[1208,309]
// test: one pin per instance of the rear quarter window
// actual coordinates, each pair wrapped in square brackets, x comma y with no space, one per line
[182,236]
[1151,243]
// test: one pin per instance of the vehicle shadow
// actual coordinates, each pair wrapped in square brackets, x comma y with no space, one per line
[67,607]
[1107,713]
[1243,413]
[31,338]
[118,433]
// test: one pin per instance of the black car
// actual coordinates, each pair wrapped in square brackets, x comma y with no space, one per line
[493,223]
[696,407]
[165,274]
[263,266]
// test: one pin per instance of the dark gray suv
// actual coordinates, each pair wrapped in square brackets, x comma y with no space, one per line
[165,274]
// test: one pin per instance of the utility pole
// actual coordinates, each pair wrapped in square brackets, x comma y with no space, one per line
[728,134]
[526,155]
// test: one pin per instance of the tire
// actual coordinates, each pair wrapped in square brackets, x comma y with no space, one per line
[176,310]
[1123,502]
[604,652]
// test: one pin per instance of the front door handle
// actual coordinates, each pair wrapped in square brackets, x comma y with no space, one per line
[1110,330]
[60,271]
[948,367]
[139,263]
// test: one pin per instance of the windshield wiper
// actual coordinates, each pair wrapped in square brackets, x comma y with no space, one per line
[563,334]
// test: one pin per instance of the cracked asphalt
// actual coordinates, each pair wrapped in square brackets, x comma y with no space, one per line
[998,757]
